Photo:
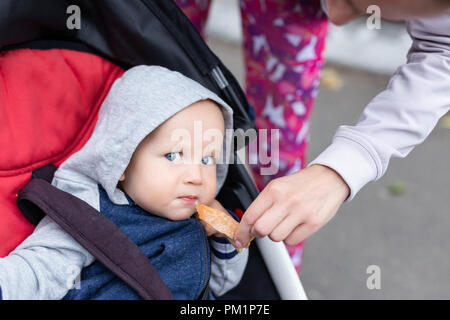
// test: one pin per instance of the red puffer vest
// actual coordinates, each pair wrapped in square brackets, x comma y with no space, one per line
[49,100]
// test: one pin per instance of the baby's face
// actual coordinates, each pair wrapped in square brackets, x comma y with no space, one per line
[175,165]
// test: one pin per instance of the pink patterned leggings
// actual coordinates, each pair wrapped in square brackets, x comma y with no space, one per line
[283,45]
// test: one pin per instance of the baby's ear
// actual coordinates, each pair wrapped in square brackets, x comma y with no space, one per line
[122,178]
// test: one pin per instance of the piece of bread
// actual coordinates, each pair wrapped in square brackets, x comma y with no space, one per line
[220,221]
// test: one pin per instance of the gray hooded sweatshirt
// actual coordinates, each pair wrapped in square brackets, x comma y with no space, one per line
[48,262]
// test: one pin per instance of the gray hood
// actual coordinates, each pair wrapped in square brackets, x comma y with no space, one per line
[138,102]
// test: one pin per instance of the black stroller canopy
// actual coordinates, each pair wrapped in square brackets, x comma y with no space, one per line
[126,32]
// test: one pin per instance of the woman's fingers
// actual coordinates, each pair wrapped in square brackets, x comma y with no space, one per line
[293,207]
[267,222]
[258,207]
[299,234]
[286,227]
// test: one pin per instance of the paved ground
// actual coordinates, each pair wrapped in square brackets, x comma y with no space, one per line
[406,236]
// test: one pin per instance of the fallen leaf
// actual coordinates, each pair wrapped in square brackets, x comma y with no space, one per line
[331,79]
[445,122]
[397,188]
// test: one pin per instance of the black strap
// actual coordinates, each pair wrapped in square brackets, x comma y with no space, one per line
[97,234]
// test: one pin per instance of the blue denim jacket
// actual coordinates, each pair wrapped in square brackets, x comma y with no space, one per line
[179,251]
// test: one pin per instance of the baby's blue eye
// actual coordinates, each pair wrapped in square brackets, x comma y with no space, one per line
[208,160]
[173,156]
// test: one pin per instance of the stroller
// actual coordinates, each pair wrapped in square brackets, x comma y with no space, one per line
[120,34]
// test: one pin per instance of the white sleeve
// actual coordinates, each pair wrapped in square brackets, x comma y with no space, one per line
[43,266]
[227,266]
[403,115]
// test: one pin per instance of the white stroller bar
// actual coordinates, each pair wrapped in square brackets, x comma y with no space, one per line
[281,269]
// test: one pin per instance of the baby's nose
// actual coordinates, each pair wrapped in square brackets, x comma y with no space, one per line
[193,174]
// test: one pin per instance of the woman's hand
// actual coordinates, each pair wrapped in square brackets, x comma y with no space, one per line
[293,207]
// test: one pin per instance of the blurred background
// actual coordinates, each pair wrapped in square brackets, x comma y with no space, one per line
[399,224]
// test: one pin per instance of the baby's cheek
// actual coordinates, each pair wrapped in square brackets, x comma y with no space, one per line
[156,196]
[148,201]
[210,190]
[152,194]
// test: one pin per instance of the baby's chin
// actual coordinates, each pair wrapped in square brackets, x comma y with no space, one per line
[176,214]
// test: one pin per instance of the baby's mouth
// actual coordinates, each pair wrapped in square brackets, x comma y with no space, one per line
[189,199]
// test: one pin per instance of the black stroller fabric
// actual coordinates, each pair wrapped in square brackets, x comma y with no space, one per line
[129,33]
